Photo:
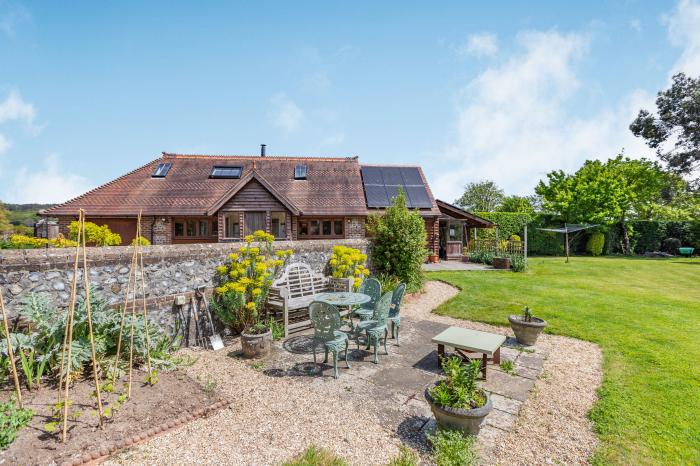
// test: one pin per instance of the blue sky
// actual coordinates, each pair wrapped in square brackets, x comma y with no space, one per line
[468,90]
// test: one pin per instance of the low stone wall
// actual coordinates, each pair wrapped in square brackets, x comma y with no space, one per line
[171,270]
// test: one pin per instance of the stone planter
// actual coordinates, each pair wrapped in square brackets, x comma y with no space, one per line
[526,332]
[465,258]
[433,258]
[467,420]
[501,263]
[256,345]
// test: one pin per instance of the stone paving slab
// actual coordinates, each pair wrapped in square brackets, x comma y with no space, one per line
[399,380]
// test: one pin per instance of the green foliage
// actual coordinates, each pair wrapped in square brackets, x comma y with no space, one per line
[481,196]
[95,234]
[453,448]
[481,257]
[30,242]
[518,262]
[315,456]
[141,241]
[642,313]
[459,389]
[525,204]
[399,243]
[509,224]
[407,457]
[507,367]
[12,419]
[277,329]
[388,282]
[673,131]
[596,243]
[244,283]
[5,225]
[671,245]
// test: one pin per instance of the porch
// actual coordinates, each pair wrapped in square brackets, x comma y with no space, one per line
[457,229]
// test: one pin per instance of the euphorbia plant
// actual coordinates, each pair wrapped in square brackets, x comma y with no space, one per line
[348,263]
[245,281]
[459,389]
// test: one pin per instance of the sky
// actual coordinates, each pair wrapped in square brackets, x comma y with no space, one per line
[505,91]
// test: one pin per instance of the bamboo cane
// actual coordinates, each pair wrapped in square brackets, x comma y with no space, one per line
[143,300]
[68,343]
[133,307]
[10,352]
[88,307]
[123,314]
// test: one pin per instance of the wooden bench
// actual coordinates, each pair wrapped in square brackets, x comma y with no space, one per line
[292,293]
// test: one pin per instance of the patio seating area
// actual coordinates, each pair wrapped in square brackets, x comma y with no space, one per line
[381,404]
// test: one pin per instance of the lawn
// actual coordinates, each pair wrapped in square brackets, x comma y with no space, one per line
[644,314]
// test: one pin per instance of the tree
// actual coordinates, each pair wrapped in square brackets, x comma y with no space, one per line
[606,192]
[481,196]
[525,204]
[5,226]
[675,129]
[399,243]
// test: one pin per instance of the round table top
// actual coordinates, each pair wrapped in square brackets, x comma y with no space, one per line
[343,298]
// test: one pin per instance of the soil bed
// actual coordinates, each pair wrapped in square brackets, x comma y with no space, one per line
[175,394]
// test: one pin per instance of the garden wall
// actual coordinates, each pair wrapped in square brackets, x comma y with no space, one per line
[171,270]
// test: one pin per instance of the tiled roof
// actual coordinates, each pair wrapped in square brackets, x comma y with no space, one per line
[333,186]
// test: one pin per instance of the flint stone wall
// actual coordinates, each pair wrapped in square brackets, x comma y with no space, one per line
[171,270]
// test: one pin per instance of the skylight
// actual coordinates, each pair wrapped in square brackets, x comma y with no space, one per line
[300,172]
[226,172]
[161,170]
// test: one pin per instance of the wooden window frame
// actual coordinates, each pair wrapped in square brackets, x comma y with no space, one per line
[284,222]
[308,220]
[240,226]
[212,232]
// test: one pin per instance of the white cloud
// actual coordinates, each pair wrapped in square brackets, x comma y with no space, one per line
[515,122]
[287,115]
[480,45]
[15,108]
[12,16]
[635,24]
[46,184]
[684,32]
[4,144]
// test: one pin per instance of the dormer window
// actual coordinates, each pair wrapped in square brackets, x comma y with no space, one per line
[161,170]
[226,172]
[300,172]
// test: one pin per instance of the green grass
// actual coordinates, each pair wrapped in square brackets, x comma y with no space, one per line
[644,314]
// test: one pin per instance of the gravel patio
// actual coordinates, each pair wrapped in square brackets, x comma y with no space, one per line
[282,405]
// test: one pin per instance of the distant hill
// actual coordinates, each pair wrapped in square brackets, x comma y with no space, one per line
[24,214]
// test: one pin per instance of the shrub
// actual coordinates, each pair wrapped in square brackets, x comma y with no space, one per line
[12,419]
[596,243]
[314,456]
[245,282]
[95,234]
[515,238]
[481,257]
[348,263]
[27,242]
[518,263]
[407,457]
[388,282]
[452,448]
[671,245]
[141,241]
[399,243]
[509,223]
[459,389]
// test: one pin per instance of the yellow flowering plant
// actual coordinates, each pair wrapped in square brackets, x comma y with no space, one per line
[244,282]
[348,263]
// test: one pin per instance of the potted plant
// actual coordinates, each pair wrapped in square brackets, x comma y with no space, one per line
[526,327]
[433,258]
[244,284]
[465,255]
[457,401]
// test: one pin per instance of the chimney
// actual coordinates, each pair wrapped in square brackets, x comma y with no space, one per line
[262,150]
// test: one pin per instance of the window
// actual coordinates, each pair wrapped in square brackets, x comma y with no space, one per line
[161,170]
[321,228]
[254,221]
[232,225]
[300,172]
[191,228]
[203,228]
[454,231]
[278,224]
[179,229]
[226,172]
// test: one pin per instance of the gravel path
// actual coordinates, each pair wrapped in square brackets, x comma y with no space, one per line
[272,419]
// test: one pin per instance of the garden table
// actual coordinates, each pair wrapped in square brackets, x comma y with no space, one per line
[347,299]
[471,341]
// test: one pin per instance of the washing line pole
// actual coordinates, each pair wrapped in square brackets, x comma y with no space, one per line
[566,238]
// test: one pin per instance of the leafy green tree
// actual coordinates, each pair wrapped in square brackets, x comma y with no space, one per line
[674,131]
[524,204]
[481,196]
[617,190]
[399,243]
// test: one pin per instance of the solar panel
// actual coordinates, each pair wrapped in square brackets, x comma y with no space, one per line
[376,196]
[382,186]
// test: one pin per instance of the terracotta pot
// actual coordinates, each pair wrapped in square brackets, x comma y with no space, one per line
[465,258]
[256,345]
[467,420]
[501,263]
[526,332]
[433,258]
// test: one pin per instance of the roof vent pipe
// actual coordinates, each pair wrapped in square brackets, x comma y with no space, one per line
[262,150]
